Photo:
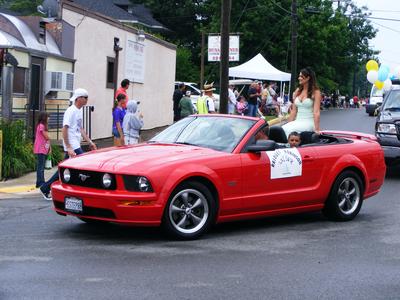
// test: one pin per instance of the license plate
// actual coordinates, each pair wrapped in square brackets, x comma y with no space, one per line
[73,204]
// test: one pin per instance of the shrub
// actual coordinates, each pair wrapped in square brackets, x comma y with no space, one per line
[57,154]
[18,157]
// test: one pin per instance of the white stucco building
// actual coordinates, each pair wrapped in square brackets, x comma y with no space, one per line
[150,68]
[84,46]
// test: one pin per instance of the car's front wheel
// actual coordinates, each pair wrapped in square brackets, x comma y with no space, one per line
[346,197]
[190,211]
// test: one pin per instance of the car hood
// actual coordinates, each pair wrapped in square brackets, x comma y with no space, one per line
[389,116]
[137,158]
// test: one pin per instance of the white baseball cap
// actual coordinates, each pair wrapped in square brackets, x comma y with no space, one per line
[79,93]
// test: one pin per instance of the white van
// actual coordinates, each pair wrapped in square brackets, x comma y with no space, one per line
[196,92]
[375,100]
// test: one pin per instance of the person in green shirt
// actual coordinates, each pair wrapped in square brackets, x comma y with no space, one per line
[186,106]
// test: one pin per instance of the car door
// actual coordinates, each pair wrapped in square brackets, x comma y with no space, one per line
[264,189]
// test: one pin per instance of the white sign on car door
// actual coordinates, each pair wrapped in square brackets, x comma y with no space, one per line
[285,163]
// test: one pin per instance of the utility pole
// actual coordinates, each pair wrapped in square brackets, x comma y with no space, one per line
[224,66]
[293,67]
[202,59]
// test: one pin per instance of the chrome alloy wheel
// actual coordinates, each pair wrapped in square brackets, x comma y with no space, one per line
[348,195]
[188,211]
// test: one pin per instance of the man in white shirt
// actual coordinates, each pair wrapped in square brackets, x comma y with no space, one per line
[72,132]
[232,100]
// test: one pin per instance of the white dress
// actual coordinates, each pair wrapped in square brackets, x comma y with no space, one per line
[304,118]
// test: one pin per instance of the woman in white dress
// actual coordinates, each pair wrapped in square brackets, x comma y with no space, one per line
[305,110]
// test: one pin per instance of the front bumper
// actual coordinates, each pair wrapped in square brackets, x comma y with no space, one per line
[392,155]
[130,208]
[391,148]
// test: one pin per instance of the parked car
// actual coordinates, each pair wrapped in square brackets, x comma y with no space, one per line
[387,127]
[196,93]
[208,169]
[375,100]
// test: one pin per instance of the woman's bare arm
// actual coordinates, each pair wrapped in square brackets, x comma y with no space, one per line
[317,109]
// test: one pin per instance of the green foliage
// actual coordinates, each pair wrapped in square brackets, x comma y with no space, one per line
[186,70]
[57,154]
[333,43]
[18,157]
[25,7]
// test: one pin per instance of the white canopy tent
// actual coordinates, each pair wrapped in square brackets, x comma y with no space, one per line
[259,68]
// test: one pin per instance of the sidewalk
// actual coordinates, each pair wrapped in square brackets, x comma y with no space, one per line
[25,185]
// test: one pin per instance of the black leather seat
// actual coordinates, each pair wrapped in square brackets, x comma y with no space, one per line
[277,134]
[308,137]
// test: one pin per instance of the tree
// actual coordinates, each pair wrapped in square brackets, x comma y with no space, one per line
[24,7]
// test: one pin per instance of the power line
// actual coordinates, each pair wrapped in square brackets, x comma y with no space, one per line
[385,19]
[386,27]
[384,10]
[284,9]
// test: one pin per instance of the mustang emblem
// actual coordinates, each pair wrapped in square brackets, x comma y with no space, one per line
[83,177]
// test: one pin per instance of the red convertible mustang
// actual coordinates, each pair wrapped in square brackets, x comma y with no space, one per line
[208,169]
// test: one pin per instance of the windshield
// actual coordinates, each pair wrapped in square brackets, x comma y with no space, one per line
[218,133]
[393,101]
[375,92]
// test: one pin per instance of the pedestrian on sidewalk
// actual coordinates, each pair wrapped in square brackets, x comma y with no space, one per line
[123,90]
[186,106]
[72,132]
[118,117]
[132,123]
[41,146]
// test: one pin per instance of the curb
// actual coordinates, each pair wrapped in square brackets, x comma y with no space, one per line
[18,189]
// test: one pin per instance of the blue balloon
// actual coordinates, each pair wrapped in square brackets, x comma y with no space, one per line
[393,77]
[383,73]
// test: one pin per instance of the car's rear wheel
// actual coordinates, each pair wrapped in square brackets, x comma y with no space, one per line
[346,197]
[190,211]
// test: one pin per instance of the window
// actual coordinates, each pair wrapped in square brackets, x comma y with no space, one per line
[42,32]
[19,80]
[110,72]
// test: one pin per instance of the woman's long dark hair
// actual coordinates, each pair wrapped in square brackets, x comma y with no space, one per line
[312,83]
[42,119]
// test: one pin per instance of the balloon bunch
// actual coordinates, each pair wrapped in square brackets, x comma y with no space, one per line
[379,75]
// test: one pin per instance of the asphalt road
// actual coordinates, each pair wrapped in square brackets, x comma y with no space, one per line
[46,256]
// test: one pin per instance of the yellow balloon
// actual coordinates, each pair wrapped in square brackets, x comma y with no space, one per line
[379,84]
[372,65]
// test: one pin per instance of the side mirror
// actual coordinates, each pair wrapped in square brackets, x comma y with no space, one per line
[262,145]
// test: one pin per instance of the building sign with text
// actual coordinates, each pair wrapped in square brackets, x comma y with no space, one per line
[214,48]
[134,61]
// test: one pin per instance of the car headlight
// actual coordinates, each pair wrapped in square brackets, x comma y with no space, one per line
[107,180]
[67,175]
[386,128]
[143,184]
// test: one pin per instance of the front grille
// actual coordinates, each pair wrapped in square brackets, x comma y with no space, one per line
[89,211]
[398,129]
[88,179]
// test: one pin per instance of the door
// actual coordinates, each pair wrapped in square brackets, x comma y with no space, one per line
[36,101]
[267,189]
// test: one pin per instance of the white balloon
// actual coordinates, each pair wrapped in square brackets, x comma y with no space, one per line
[387,85]
[372,76]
